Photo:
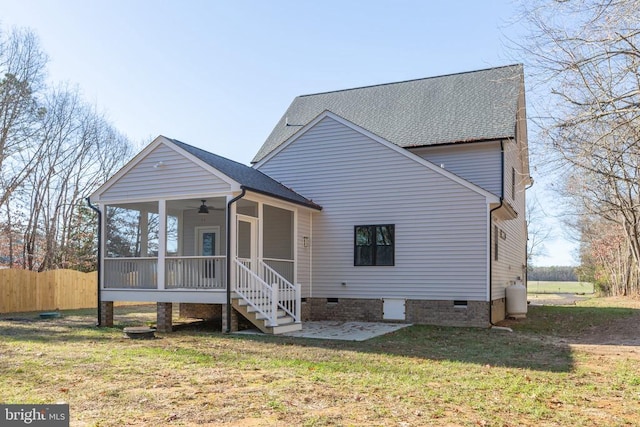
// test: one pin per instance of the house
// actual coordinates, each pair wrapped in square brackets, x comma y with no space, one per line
[395,202]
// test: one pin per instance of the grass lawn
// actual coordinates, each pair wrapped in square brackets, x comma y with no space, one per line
[542,287]
[539,374]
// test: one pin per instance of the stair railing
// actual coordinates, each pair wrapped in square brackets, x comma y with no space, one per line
[286,294]
[256,292]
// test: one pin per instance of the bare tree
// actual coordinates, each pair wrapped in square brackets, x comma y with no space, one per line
[586,55]
[74,140]
[22,67]
[537,231]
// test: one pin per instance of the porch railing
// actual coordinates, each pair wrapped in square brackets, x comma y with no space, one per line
[284,267]
[196,272]
[189,272]
[131,273]
[267,294]
[286,293]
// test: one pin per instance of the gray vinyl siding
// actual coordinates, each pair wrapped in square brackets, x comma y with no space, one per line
[304,254]
[440,225]
[479,163]
[178,176]
[511,261]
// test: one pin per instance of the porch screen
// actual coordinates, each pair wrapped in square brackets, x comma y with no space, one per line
[374,245]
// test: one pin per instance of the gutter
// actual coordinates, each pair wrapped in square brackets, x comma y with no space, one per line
[228,232]
[491,258]
[309,204]
[99,255]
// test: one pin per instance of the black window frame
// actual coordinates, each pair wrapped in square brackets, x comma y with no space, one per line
[373,230]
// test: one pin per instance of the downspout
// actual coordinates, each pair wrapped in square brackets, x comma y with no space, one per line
[491,234]
[99,263]
[232,201]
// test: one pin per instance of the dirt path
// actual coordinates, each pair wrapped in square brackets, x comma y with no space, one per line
[617,338]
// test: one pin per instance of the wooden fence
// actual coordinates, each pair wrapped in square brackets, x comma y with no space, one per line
[23,290]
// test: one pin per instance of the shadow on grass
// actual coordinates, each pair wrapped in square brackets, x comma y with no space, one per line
[464,345]
[540,342]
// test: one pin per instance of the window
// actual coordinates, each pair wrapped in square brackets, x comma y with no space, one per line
[374,245]
[513,184]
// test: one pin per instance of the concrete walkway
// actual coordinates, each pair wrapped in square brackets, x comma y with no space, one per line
[346,331]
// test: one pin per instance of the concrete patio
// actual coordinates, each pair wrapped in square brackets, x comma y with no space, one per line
[335,330]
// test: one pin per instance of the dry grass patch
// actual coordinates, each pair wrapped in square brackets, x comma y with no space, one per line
[417,376]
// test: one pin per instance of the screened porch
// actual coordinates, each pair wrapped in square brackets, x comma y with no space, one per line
[182,244]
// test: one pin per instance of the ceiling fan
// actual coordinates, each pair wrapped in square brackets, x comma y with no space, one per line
[204,209]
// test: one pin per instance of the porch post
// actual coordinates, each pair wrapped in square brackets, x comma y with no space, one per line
[162,241]
[260,248]
[102,250]
[294,242]
[144,233]
[298,310]
[106,314]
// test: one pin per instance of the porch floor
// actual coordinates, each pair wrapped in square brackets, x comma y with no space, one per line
[335,330]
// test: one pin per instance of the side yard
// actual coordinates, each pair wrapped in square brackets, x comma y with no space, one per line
[561,366]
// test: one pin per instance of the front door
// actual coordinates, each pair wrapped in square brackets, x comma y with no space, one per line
[208,245]
[247,244]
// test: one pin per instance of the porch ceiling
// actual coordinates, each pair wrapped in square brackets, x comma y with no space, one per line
[213,203]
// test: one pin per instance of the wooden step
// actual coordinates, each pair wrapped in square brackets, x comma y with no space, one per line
[289,327]
[261,316]
[285,322]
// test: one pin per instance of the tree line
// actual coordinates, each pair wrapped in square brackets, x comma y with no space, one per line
[55,149]
[553,274]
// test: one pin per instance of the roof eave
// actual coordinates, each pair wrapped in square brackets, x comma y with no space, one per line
[307,204]
[462,141]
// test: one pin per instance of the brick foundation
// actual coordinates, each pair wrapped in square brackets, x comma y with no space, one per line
[234,319]
[446,313]
[106,314]
[425,312]
[305,310]
[201,311]
[346,309]
[164,317]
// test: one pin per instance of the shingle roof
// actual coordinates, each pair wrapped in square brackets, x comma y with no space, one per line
[471,106]
[248,177]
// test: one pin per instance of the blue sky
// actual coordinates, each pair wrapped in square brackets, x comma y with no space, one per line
[220,74]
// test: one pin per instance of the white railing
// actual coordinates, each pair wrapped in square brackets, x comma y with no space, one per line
[267,292]
[286,293]
[196,272]
[284,267]
[245,261]
[256,292]
[131,273]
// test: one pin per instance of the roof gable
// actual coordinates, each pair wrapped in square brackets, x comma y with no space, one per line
[406,153]
[470,106]
[152,173]
[162,170]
